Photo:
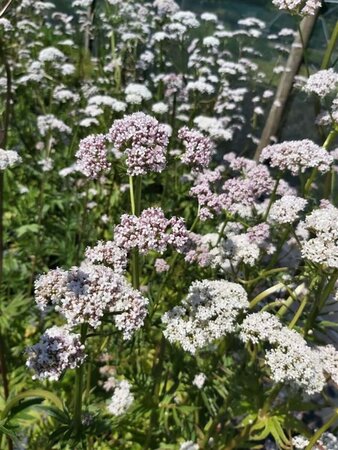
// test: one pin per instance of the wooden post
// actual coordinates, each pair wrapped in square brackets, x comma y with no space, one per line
[285,85]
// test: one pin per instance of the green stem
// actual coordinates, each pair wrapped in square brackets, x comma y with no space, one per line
[132,195]
[299,312]
[262,295]
[79,389]
[330,48]
[156,372]
[322,430]
[330,176]
[272,199]
[135,184]
[309,182]
[320,302]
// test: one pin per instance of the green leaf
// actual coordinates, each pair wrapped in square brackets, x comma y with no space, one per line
[47,395]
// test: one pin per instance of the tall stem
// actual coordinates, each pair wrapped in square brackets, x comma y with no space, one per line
[79,389]
[3,144]
[135,188]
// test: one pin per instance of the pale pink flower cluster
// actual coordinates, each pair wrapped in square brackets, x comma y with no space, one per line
[143,139]
[198,148]
[151,231]
[303,7]
[238,194]
[85,294]
[58,350]
[161,265]
[297,156]
[92,156]
[322,82]
[258,234]
[109,254]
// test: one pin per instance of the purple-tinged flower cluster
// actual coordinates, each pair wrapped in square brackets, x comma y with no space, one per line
[57,351]
[303,7]
[151,231]
[85,294]
[92,156]
[297,156]
[198,148]
[144,141]
[109,254]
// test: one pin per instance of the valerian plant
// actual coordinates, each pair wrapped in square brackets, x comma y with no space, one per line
[160,287]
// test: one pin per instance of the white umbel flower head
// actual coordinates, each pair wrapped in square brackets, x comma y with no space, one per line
[322,82]
[287,209]
[122,398]
[8,158]
[209,312]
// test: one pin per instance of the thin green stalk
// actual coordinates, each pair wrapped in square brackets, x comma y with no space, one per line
[156,372]
[132,195]
[135,187]
[272,198]
[262,295]
[330,176]
[309,182]
[3,143]
[320,301]
[322,430]
[299,312]
[330,48]
[79,389]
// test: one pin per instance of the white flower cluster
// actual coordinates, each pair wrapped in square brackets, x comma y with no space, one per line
[327,442]
[291,360]
[329,357]
[8,158]
[216,128]
[208,313]
[323,248]
[287,209]
[57,351]
[300,442]
[322,82]
[85,294]
[199,380]
[297,155]
[189,445]
[122,398]
[136,93]
[166,7]
[50,54]
[238,248]
[303,7]
[49,123]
